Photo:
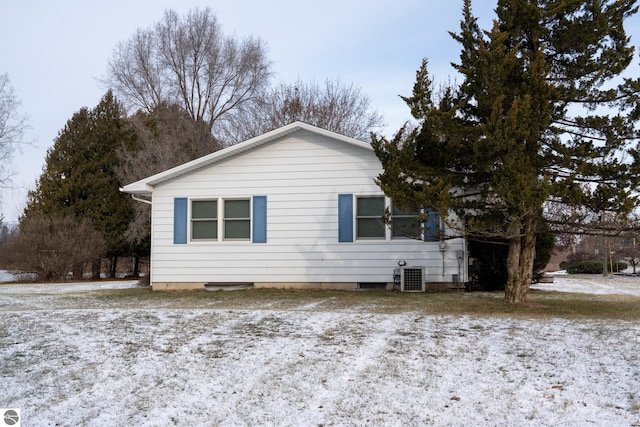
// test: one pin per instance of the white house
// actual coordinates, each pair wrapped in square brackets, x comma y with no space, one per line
[295,207]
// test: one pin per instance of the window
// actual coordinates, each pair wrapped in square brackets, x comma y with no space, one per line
[377,218]
[404,225]
[204,219]
[369,222]
[237,219]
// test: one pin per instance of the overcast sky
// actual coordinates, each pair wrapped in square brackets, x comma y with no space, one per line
[55,52]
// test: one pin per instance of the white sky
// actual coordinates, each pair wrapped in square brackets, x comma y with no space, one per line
[55,52]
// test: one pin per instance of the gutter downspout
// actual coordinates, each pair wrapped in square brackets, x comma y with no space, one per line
[138,199]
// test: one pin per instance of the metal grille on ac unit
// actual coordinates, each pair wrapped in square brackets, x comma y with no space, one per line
[412,279]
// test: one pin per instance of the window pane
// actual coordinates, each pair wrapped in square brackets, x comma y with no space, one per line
[237,229]
[236,209]
[204,229]
[396,211]
[370,228]
[407,227]
[204,209]
[370,206]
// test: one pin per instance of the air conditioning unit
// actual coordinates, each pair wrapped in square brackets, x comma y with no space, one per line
[412,279]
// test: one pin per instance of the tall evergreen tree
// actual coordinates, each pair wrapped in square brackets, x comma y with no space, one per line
[543,128]
[79,177]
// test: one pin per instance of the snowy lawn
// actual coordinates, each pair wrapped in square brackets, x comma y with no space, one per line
[79,354]
[593,284]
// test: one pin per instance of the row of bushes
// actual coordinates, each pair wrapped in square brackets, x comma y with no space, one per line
[592,267]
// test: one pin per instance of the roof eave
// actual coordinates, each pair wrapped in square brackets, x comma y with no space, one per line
[140,188]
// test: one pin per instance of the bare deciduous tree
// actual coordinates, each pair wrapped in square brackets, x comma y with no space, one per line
[54,245]
[166,137]
[335,106]
[12,127]
[188,61]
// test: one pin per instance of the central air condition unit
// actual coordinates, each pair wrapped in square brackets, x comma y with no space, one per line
[412,279]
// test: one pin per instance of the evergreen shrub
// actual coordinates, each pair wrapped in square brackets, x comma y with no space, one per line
[593,267]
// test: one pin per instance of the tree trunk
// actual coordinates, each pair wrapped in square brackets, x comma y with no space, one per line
[136,266]
[95,268]
[522,252]
[78,271]
[114,266]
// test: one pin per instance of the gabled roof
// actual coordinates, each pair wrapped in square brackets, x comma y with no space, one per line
[145,186]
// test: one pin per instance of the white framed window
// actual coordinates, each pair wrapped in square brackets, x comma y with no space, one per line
[237,219]
[204,219]
[375,217]
[221,219]
[369,218]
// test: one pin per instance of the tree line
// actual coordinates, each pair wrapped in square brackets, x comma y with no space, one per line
[177,90]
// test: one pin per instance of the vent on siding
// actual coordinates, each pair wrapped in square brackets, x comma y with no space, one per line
[412,279]
[372,285]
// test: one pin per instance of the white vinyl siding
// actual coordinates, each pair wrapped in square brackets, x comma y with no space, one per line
[301,175]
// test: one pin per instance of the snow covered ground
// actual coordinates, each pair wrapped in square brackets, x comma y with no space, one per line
[310,366]
[592,284]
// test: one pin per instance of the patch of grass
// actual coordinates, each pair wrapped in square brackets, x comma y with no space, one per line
[622,307]
[540,304]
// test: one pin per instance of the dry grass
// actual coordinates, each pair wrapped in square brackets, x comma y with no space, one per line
[540,304]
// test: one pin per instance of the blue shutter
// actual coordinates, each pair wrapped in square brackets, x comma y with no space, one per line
[180,220]
[259,219]
[431,226]
[345,217]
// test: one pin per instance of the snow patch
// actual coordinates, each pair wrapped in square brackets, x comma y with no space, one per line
[305,366]
[593,284]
